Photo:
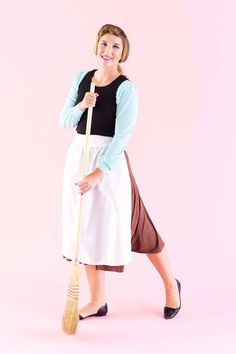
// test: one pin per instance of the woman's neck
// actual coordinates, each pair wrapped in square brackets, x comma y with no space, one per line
[104,75]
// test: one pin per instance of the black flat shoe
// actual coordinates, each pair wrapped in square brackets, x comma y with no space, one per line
[170,312]
[102,311]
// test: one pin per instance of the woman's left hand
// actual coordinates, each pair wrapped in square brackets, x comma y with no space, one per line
[90,181]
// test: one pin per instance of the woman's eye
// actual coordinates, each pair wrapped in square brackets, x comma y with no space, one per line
[116,46]
[103,44]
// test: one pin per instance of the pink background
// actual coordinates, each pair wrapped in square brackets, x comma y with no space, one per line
[182,154]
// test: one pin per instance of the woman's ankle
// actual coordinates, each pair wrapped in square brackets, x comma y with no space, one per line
[98,302]
[170,283]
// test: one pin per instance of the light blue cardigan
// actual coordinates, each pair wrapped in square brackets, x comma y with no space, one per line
[126,117]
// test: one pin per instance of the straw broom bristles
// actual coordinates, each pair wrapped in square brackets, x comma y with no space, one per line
[71,313]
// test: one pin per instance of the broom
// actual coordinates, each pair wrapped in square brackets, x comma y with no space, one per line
[71,314]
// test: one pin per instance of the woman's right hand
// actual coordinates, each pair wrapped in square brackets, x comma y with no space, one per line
[89,100]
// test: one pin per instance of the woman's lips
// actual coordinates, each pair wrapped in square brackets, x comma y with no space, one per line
[106,58]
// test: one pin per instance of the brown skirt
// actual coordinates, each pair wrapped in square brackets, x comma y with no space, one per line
[145,238]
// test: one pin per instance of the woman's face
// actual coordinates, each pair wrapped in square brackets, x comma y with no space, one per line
[109,50]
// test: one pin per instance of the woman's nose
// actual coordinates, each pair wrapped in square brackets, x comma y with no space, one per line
[108,50]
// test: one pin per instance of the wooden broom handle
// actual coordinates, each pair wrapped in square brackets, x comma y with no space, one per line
[84,172]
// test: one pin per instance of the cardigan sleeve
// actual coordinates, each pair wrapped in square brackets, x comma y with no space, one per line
[126,117]
[71,114]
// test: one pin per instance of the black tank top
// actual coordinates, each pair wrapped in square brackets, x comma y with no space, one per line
[104,113]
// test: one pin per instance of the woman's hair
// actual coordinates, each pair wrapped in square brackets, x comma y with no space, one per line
[118,32]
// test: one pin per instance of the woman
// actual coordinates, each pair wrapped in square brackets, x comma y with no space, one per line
[115,221]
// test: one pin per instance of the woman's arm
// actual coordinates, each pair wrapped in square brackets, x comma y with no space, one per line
[126,117]
[71,114]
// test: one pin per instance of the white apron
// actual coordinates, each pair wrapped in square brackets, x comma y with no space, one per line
[105,237]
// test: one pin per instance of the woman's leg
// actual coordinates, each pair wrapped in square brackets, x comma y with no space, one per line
[96,281]
[161,263]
